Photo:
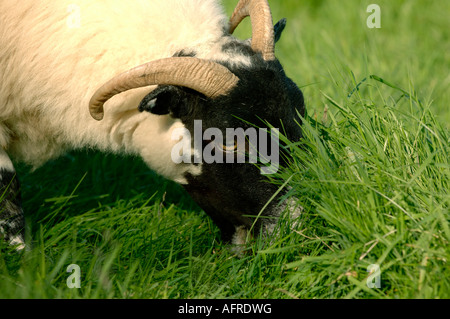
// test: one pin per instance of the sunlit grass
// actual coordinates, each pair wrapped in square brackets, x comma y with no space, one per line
[372,175]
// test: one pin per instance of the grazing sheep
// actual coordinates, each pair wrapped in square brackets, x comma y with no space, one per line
[64,85]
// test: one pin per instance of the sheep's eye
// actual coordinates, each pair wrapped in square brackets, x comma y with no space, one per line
[229,148]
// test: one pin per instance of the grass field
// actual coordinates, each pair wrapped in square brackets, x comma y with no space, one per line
[372,174]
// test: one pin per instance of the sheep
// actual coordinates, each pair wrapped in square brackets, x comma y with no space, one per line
[133,78]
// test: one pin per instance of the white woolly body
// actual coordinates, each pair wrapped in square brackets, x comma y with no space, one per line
[55,54]
[5,162]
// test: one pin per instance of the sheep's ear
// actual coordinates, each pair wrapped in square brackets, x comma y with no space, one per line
[165,100]
[279,28]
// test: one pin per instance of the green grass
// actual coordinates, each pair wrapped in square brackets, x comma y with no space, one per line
[372,174]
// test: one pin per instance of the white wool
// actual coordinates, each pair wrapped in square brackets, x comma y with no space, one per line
[5,162]
[50,67]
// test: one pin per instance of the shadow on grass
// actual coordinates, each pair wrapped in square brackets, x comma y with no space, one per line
[85,180]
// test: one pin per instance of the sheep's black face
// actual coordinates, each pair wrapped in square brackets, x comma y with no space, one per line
[231,192]
[232,188]
[228,190]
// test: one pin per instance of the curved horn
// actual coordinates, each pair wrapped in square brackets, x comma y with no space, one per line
[209,78]
[263,38]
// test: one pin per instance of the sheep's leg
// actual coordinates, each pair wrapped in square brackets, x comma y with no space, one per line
[12,222]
